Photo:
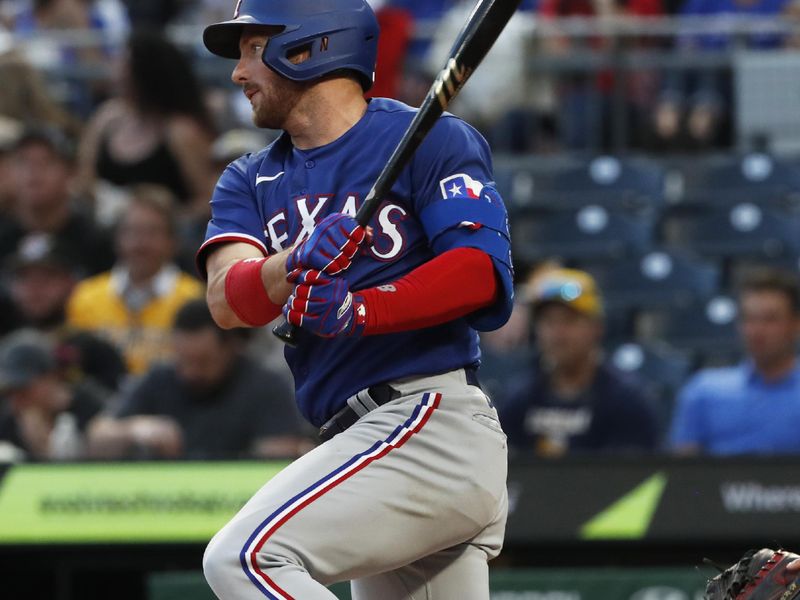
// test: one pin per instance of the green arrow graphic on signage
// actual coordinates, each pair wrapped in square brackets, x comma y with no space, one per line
[630,516]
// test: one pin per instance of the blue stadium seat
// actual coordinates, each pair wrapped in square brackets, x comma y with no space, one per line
[741,230]
[661,369]
[500,372]
[707,330]
[656,279]
[727,180]
[619,184]
[588,233]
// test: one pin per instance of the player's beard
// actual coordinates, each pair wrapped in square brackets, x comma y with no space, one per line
[273,105]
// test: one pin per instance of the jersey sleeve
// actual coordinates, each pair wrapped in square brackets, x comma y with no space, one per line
[459,207]
[235,216]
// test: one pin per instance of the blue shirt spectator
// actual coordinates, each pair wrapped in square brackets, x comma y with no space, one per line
[735,410]
[753,408]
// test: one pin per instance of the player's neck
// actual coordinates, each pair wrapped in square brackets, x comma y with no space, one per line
[326,113]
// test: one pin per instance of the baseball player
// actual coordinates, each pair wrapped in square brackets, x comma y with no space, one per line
[406,497]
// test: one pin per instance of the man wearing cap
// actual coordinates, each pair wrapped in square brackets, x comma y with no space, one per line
[39,412]
[41,275]
[43,168]
[572,401]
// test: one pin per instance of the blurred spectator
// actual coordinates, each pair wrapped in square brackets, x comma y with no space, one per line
[43,171]
[425,13]
[45,27]
[753,407]
[133,305]
[694,111]
[107,16]
[396,26]
[585,98]
[501,85]
[572,400]
[26,99]
[158,131]
[791,12]
[212,402]
[7,10]
[155,13]
[41,278]
[10,131]
[39,412]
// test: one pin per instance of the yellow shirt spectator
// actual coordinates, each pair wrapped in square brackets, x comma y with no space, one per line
[136,321]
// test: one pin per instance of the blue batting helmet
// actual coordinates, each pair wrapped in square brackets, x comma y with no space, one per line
[340,35]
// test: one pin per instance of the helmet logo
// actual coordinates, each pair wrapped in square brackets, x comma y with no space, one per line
[323,47]
[237,9]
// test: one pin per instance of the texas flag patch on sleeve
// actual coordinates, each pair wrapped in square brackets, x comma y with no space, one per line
[459,186]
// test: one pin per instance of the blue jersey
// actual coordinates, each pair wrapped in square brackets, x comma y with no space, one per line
[273,199]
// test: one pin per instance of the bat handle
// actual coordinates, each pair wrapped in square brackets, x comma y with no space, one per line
[287,333]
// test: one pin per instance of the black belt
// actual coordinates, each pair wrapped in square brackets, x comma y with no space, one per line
[368,400]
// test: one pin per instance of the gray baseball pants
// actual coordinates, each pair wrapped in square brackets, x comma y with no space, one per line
[408,503]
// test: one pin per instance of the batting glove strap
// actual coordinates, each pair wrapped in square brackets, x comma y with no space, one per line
[330,248]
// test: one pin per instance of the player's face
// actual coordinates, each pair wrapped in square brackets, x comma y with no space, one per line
[768,327]
[202,359]
[272,97]
[564,336]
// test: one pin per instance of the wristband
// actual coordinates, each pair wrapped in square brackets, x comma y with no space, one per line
[246,295]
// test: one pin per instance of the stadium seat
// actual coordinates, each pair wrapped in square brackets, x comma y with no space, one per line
[661,369]
[635,185]
[741,230]
[655,279]
[707,330]
[500,371]
[728,180]
[588,233]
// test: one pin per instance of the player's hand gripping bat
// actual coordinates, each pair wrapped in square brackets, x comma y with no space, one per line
[483,27]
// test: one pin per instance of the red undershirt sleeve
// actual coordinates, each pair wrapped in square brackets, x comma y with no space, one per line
[450,286]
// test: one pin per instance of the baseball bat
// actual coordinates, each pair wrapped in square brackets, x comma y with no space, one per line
[485,23]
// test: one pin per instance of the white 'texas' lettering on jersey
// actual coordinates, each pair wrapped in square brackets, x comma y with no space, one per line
[309,219]
[390,230]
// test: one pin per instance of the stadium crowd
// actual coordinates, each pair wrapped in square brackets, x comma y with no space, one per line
[112,136]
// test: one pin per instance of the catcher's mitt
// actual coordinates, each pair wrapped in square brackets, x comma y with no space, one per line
[759,575]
